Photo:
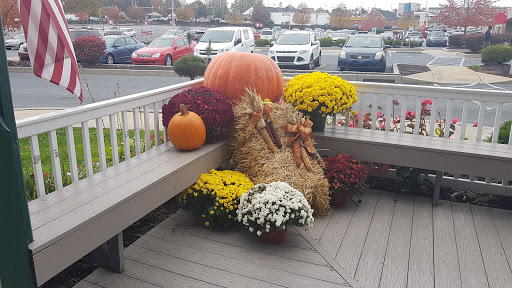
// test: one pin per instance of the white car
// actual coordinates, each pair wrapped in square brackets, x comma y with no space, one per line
[15,42]
[225,39]
[267,34]
[128,32]
[296,48]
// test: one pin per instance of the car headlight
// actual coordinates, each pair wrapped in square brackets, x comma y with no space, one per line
[134,55]
[303,51]
[379,55]
[342,54]
[222,50]
[155,55]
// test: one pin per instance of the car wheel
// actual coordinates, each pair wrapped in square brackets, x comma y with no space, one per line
[382,69]
[19,46]
[110,59]
[168,60]
[341,68]
[318,60]
[311,64]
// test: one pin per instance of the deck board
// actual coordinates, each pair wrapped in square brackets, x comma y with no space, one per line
[504,226]
[335,231]
[446,262]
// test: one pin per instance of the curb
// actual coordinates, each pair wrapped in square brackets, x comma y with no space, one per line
[89,71]
[467,55]
[406,50]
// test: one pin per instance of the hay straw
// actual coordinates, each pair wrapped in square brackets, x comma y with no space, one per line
[252,157]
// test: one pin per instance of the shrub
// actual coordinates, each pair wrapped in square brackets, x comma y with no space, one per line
[89,49]
[213,107]
[504,134]
[326,42]
[456,41]
[474,42]
[345,174]
[387,41]
[191,66]
[396,43]
[215,196]
[261,42]
[413,44]
[501,39]
[341,41]
[497,54]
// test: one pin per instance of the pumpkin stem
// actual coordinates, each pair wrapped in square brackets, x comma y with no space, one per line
[183,110]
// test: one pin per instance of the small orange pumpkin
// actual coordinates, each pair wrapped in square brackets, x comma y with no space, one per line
[231,72]
[186,130]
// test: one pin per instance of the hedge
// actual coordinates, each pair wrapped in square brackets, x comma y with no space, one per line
[261,42]
[326,42]
[396,43]
[497,54]
[341,41]
[89,49]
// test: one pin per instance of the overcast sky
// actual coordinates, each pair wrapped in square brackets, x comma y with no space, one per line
[382,4]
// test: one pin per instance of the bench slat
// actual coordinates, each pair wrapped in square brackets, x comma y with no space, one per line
[69,238]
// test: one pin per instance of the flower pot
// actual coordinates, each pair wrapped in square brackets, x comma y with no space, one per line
[275,237]
[318,122]
[338,199]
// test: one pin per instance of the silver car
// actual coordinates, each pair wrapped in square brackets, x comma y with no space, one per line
[414,36]
[15,42]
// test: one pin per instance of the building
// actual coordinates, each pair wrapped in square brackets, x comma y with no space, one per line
[380,19]
[408,8]
[284,15]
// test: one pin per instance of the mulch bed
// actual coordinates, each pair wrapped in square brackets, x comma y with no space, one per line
[85,266]
[407,69]
[498,69]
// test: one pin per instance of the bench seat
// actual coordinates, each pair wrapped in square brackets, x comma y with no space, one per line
[432,153]
[73,221]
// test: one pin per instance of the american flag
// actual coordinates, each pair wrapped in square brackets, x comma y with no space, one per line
[49,44]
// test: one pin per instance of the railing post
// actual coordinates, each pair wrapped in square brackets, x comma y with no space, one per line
[15,258]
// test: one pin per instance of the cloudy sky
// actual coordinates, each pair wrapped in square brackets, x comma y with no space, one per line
[382,4]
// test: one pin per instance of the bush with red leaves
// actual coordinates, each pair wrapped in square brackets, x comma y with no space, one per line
[345,174]
[89,49]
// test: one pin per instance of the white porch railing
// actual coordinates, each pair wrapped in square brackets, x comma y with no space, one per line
[489,108]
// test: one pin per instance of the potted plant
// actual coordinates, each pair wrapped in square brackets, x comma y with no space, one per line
[269,208]
[318,95]
[346,176]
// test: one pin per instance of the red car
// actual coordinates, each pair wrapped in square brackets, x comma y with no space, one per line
[163,51]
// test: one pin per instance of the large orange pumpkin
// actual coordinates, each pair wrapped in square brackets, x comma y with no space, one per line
[231,72]
[186,130]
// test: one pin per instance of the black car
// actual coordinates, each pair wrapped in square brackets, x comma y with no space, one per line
[363,52]
[437,38]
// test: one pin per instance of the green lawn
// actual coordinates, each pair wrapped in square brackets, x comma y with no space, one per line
[46,161]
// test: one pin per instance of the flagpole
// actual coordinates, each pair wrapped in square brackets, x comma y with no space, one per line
[15,257]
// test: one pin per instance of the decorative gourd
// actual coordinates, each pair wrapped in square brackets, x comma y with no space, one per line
[231,73]
[186,130]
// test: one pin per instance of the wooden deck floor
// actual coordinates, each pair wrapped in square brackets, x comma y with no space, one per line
[386,241]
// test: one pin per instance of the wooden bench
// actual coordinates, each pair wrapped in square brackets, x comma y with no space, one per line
[432,153]
[91,214]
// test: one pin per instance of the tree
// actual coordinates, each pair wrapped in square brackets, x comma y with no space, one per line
[136,13]
[86,6]
[408,20]
[260,13]
[242,5]
[10,16]
[218,8]
[302,14]
[185,13]
[339,16]
[160,7]
[114,13]
[234,17]
[468,13]
[199,9]
[82,15]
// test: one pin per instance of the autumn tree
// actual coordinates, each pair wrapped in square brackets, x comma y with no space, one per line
[302,14]
[136,13]
[10,16]
[260,13]
[468,13]
[339,16]
[408,20]
[160,7]
[86,6]
[234,17]
[82,15]
[242,5]
[114,13]
[185,13]
[218,8]
[199,9]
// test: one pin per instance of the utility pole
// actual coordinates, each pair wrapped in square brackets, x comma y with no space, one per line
[290,15]
[172,14]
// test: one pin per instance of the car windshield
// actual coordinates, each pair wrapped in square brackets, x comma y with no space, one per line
[363,42]
[109,40]
[338,34]
[414,34]
[162,42]
[218,36]
[438,34]
[266,32]
[19,36]
[171,32]
[293,39]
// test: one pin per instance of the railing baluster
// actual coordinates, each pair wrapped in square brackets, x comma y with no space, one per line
[464,122]
[136,130]
[87,149]
[147,130]
[126,136]
[497,123]
[448,122]
[403,107]
[433,116]
[389,108]
[361,110]
[156,120]
[101,143]
[374,112]
[333,120]
[36,164]
[164,127]
[73,167]
[54,151]
[418,116]
[347,119]
[481,113]
[113,138]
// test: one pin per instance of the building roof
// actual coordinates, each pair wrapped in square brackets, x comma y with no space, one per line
[321,10]
[386,14]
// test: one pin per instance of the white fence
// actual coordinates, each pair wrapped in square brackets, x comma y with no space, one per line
[488,108]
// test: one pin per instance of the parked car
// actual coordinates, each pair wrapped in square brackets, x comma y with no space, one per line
[129,32]
[363,52]
[267,34]
[173,32]
[414,36]
[113,30]
[296,48]
[77,33]
[23,52]
[338,35]
[225,39]
[15,42]
[437,38]
[197,36]
[119,49]
[387,35]
[71,17]
[163,51]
